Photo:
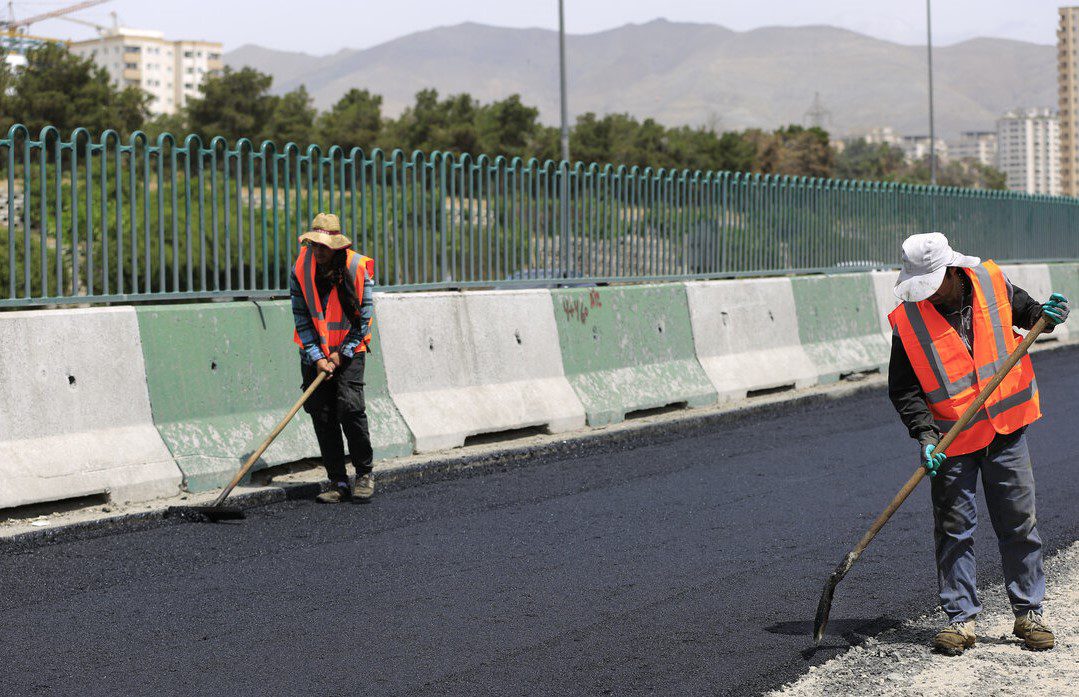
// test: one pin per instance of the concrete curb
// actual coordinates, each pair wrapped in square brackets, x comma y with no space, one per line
[436,469]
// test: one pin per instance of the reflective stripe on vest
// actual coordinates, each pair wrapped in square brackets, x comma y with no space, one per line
[330,323]
[952,377]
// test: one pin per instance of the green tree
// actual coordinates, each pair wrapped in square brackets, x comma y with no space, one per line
[292,120]
[506,127]
[873,161]
[60,89]
[797,151]
[354,121]
[234,104]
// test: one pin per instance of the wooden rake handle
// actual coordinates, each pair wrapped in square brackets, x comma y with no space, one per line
[242,472]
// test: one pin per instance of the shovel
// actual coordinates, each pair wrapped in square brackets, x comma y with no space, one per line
[217,511]
[825,605]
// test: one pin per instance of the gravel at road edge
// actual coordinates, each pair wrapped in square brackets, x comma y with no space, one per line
[899,661]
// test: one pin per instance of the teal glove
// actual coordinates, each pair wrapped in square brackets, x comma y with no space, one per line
[932,462]
[1056,310]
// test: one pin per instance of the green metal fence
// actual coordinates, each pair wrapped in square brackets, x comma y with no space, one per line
[106,219]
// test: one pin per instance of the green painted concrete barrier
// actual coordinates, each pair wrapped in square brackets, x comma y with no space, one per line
[1065,280]
[839,324]
[222,375]
[629,348]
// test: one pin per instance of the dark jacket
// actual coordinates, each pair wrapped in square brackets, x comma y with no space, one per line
[903,387]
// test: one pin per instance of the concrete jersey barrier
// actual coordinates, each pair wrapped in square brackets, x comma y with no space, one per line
[746,336]
[1064,278]
[839,324]
[629,348]
[463,364]
[222,375]
[75,418]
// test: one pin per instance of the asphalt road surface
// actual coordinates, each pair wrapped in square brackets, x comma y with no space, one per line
[690,565]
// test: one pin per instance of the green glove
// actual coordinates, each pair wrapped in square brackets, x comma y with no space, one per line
[1056,310]
[932,462]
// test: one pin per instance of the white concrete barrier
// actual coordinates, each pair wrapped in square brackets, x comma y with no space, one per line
[883,289]
[746,335]
[461,364]
[1036,281]
[75,418]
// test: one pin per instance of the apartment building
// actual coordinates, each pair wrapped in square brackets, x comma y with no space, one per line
[1028,144]
[917,147]
[980,146]
[1068,99]
[170,71]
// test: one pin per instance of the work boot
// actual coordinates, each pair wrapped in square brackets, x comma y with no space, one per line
[954,639]
[335,494]
[1035,633]
[365,487]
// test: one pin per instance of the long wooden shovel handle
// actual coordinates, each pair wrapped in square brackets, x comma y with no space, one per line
[270,439]
[825,605]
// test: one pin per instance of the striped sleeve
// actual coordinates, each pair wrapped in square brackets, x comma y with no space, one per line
[367,313]
[302,317]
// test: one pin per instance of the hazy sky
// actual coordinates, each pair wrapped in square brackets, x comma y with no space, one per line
[325,26]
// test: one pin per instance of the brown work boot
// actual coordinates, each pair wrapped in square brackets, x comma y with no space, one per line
[335,494]
[365,488]
[954,639]
[1035,633]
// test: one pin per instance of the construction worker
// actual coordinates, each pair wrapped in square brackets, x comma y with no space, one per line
[950,333]
[332,304]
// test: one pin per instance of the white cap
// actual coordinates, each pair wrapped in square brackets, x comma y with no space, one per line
[926,258]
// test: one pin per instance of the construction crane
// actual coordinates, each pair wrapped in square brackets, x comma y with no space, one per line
[12,27]
[101,28]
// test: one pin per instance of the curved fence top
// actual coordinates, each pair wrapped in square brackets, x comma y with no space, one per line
[112,219]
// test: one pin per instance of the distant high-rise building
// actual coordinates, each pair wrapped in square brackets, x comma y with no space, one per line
[1068,99]
[980,146]
[170,71]
[1028,146]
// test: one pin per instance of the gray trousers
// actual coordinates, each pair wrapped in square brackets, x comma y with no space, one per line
[1008,479]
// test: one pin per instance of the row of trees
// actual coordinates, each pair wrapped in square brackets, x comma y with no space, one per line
[60,89]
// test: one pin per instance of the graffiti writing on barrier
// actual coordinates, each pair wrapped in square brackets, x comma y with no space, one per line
[575,309]
[578,309]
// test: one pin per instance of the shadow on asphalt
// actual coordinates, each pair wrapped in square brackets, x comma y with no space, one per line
[853,631]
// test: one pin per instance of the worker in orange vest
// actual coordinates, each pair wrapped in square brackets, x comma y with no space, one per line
[952,331]
[332,291]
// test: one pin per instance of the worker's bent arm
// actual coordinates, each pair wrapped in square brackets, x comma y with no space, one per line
[367,312]
[302,317]
[1026,310]
[908,398]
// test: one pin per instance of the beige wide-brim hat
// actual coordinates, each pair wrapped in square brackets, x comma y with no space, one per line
[326,229]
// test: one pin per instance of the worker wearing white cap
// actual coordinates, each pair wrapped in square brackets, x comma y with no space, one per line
[953,328]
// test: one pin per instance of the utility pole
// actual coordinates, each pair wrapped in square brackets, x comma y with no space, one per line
[932,130]
[564,169]
[562,79]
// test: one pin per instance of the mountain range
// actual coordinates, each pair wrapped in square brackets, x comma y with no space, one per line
[695,74]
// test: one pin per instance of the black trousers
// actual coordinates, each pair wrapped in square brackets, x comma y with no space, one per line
[338,405]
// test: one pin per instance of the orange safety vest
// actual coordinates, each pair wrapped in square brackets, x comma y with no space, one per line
[952,378]
[330,322]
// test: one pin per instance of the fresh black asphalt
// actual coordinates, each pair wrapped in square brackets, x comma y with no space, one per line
[689,564]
